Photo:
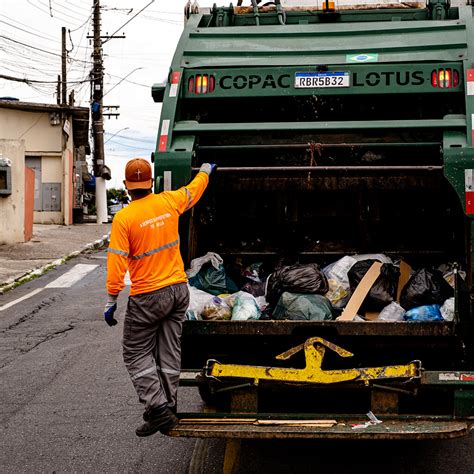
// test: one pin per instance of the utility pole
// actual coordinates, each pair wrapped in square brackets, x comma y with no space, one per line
[100,170]
[63,64]
[98,119]
[58,90]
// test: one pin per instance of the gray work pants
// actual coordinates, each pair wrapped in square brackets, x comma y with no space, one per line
[152,345]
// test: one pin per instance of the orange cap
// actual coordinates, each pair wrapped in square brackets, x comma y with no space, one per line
[138,174]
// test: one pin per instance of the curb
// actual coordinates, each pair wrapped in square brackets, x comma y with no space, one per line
[14,282]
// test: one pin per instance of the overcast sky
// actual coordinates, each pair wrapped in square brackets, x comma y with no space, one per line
[143,58]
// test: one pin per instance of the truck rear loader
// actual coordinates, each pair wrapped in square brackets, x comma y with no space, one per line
[337,131]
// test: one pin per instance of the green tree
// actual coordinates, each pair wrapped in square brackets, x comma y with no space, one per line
[117,195]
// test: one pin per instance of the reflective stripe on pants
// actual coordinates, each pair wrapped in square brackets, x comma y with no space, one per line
[151,343]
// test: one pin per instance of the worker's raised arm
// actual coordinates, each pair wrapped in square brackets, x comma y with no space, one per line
[117,256]
[184,198]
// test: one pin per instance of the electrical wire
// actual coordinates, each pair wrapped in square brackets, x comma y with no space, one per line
[31,81]
[127,22]
[64,13]
[132,139]
[130,146]
[36,48]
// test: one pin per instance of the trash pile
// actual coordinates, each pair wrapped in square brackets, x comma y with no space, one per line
[354,288]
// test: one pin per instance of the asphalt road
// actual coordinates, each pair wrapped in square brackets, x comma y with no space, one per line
[67,405]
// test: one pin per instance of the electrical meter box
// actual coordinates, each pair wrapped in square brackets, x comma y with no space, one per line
[5,178]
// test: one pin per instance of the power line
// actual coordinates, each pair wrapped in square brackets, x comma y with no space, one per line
[26,31]
[127,22]
[36,81]
[132,139]
[64,16]
[133,147]
[37,49]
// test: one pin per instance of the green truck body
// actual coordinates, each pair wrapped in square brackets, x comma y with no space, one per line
[335,133]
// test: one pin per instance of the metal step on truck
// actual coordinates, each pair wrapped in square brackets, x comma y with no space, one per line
[337,131]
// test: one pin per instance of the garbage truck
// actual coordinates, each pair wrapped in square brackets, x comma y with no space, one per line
[337,131]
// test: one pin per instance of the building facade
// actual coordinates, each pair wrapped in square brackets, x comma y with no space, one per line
[55,141]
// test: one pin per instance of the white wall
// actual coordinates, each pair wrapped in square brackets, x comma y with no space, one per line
[12,207]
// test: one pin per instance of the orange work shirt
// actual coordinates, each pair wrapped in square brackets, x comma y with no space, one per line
[144,240]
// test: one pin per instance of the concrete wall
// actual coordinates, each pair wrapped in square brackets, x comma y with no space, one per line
[32,127]
[53,146]
[12,207]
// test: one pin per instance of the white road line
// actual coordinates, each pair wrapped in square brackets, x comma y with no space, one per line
[78,272]
[66,280]
[19,300]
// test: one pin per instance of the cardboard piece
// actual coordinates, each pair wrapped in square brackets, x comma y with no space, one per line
[405,272]
[363,288]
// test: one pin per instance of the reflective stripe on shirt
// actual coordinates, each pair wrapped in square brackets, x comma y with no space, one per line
[159,249]
[118,252]
[190,199]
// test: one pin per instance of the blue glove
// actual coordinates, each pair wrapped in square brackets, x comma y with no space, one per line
[109,310]
[208,168]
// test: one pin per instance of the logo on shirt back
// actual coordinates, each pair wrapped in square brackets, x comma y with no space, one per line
[157,221]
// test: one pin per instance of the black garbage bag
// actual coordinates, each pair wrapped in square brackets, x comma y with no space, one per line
[306,279]
[425,287]
[383,291]
[298,307]
[255,288]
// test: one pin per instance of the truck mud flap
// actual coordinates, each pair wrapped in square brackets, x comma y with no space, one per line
[247,428]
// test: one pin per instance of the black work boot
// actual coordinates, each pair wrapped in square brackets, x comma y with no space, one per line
[146,413]
[159,419]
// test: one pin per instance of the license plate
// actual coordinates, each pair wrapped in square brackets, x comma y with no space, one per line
[309,80]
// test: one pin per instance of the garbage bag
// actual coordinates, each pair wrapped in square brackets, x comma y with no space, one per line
[338,294]
[198,300]
[338,270]
[217,309]
[255,288]
[339,288]
[380,257]
[213,258]
[425,287]
[384,289]
[208,274]
[424,313]
[307,279]
[254,272]
[392,312]
[306,307]
[244,307]
[447,310]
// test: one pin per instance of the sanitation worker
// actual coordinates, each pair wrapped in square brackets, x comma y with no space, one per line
[145,241]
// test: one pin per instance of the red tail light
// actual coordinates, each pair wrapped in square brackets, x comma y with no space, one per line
[455,78]
[201,84]
[445,78]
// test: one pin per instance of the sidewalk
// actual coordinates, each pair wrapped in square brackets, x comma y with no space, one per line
[50,244]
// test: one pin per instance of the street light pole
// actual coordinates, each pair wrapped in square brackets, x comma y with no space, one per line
[116,133]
